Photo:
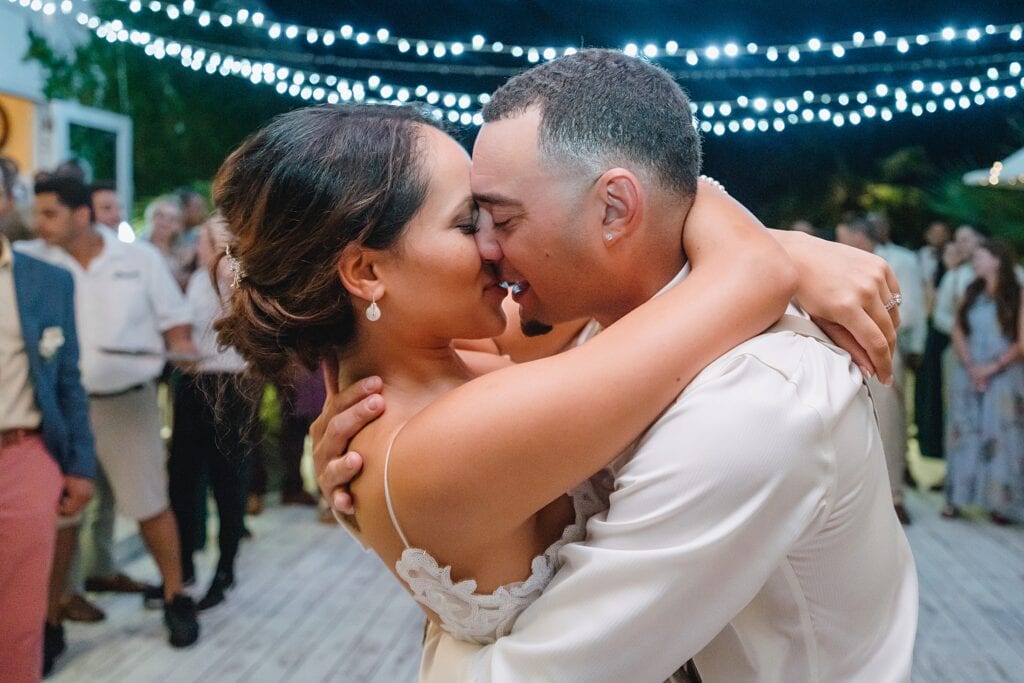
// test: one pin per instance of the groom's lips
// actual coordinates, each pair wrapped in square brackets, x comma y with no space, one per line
[519,288]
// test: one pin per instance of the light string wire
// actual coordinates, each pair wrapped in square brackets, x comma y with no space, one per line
[763,113]
[693,56]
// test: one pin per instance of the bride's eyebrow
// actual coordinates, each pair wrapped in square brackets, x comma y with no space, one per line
[467,205]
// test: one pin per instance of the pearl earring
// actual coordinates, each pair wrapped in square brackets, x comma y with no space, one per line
[373,310]
[608,237]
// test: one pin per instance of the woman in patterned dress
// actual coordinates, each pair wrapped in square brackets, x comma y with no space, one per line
[986,430]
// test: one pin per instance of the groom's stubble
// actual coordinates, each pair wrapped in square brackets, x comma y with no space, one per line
[534,328]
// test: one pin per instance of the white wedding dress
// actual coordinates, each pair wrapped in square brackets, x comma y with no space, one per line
[484,617]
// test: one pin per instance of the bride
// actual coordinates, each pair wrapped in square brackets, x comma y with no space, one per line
[352,236]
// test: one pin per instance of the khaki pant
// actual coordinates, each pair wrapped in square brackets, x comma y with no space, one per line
[891,411]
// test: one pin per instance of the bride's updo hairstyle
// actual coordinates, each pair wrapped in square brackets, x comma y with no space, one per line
[294,195]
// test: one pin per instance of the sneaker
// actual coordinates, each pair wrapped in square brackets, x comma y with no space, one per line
[75,607]
[180,619]
[153,596]
[222,583]
[53,645]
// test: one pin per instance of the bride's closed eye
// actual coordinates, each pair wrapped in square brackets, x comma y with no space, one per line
[469,227]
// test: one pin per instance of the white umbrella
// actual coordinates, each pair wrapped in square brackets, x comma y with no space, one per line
[1006,173]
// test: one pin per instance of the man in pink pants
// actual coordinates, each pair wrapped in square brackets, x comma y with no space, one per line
[47,456]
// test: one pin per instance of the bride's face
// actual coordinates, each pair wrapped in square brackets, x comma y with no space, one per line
[436,283]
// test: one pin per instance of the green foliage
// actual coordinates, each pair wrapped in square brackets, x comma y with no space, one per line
[998,210]
[185,123]
[912,190]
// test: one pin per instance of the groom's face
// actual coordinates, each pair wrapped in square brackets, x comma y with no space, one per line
[533,222]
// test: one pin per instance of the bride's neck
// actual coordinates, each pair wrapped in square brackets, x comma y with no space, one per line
[416,371]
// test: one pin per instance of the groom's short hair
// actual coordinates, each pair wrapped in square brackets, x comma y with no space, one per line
[601,108]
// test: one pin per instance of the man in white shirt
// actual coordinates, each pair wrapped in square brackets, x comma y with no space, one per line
[906,265]
[751,527]
[125,298]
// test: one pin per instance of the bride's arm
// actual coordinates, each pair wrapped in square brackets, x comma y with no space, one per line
[487,456]
[847,303]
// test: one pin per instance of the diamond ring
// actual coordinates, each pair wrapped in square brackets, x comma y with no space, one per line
[895,301]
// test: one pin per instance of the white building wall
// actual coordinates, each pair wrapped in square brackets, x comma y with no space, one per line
[17,77]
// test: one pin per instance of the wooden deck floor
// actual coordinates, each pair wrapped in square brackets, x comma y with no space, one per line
[311,606]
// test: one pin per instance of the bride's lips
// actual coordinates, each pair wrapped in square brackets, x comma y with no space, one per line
[495,287]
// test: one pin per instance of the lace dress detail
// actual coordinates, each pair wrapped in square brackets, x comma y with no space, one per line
[483,618]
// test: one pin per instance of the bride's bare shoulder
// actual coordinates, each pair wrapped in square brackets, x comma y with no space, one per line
[482,362]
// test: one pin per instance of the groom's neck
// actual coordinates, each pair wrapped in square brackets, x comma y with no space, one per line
[644,270]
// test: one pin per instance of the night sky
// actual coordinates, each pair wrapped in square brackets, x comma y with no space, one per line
[756,167]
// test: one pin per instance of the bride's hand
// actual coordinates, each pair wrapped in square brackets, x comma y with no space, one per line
[845,291]
[344,414]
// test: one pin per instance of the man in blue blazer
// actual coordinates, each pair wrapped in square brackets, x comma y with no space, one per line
[47,456]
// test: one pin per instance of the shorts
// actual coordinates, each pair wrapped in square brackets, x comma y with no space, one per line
[128,446]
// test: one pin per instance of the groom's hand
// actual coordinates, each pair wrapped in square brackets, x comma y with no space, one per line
[345,413]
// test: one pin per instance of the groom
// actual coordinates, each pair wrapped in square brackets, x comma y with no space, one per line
[751,528]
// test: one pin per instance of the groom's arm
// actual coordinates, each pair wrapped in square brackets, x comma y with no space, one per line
[722,486]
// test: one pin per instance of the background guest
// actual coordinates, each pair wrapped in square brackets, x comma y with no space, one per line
[47,456]
[124,298]
[164,226]
[890,407]
[106,205]
[986,431]
[929,396]
[213,427]
[12,223]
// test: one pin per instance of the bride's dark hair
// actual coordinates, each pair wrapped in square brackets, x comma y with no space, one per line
[294,195]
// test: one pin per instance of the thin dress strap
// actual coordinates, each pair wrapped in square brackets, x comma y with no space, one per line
[387,490]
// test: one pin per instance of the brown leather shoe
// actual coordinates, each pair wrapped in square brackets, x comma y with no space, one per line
[902,514]
[254,504]
[118,583]
[298,498]
[75,607]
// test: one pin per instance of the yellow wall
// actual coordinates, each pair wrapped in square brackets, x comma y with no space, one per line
[20,144]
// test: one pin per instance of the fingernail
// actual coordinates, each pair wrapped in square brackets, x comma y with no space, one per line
[350,460]
[374,403]
[371,383]
[887,381]
[864,371]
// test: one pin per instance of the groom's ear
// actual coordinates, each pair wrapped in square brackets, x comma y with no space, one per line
[620,192]
[358,270]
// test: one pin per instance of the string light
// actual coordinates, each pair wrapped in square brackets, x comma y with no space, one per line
[742,114]
[882,91]
[838,48]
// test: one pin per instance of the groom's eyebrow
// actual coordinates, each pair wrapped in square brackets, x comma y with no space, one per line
[495,199]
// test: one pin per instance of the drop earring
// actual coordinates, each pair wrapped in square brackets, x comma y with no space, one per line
[373,310]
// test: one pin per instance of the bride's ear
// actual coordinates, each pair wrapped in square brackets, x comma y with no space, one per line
[358,272]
